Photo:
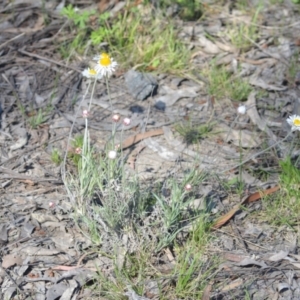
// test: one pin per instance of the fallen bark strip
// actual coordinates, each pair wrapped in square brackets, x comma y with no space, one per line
[140,136]
[251,198]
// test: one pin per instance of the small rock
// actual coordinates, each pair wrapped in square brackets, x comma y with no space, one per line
[140,85]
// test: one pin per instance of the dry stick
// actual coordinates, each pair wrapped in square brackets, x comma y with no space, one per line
[16,285]
[14,175]
[247,199]
[54,37]
[278,57]
[257,154]
[254,62]
[14,38]
[238,235]
[247,241]
[32,179]
[48,59]
[15,93]
[263,26]
[29,150]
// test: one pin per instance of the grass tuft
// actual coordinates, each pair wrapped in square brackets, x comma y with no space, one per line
[241,34]
[223,84]
[284,207]
[193,133]
[38,119]
[56,157]
[137,38]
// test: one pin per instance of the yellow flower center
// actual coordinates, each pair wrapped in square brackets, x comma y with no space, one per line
[93,72]
[104,60]
[296,122]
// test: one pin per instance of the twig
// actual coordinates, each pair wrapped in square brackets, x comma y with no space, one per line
[17,286]
[48,59]
[248,242]
[278,57]
[15,175]
[241,19]
[83,257]
[29,150]
[257,154]
[12,39]
[238,235]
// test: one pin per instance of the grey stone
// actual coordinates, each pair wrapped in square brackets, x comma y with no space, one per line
[140,85]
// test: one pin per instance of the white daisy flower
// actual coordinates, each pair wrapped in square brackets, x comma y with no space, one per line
[91,73]
[105,64]
[294,122]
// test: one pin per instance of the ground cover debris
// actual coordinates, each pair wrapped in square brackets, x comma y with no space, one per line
[149,149]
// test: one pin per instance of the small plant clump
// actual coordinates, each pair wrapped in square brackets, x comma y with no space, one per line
[136,40]
[224,84]
[242,35]
[188,10]
[286,202]
[109,204]
[193,133]
[38,119]
[80,18]
[56,157]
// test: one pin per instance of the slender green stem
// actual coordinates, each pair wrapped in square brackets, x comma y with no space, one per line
[241,159]
[111,107]
[85,147]
[259,153]
[234,122]
[108,92]
[92,94]
[71,130]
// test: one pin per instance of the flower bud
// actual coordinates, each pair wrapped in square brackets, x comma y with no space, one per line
[112,154]
[126,121]
[242,109]
[116,118]
[188,187]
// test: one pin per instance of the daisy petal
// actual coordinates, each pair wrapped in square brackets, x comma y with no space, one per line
[294,122]
[91,73]
[105,64]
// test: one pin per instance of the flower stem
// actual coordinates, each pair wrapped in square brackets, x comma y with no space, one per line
[92,94]
[108,92]
[257,154]
[71,130]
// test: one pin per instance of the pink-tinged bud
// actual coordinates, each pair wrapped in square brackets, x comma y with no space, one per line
[188,187]
[112,154]
[117,147]
[116,118]
[126,121]
[85,113]
[78,150]
[51,205]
